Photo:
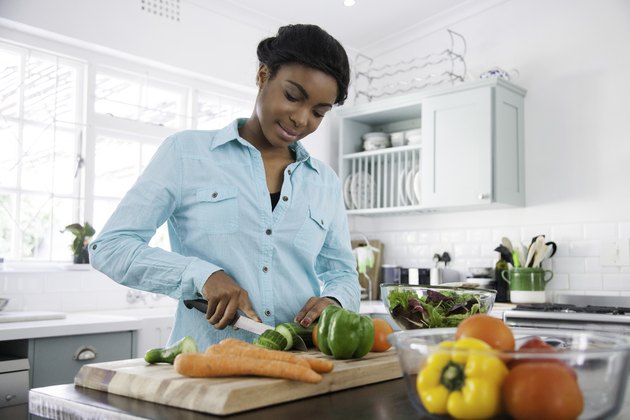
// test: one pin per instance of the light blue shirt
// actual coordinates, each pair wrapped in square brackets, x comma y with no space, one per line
[210,187]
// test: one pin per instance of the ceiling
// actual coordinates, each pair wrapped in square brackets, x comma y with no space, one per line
[366,23]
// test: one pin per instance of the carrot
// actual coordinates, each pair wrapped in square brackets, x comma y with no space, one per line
[242,348]
[319,365]
[204,365]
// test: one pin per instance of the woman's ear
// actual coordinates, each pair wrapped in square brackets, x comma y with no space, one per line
[262,75]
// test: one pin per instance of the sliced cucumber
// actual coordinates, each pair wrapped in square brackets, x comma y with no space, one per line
[287,334]
[271,339]
[297,330]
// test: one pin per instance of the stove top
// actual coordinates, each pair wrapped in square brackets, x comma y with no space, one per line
[570,308]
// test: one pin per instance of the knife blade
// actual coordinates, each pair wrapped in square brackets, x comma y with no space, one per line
[239,320]
[243,322]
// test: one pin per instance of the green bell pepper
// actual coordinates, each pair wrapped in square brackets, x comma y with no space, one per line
[344,334]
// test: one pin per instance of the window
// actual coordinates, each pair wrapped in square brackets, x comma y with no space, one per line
[69,155]
[40,138]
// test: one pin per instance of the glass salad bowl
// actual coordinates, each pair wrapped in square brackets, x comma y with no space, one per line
[417,307]
[598,362]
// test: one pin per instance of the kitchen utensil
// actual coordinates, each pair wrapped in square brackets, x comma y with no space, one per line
[408,320]
[242,322]
[600,362]
[507,243]
[537,247]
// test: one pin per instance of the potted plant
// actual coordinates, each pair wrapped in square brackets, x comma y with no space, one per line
[79,246]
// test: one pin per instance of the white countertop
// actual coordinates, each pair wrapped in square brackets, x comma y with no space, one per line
[83,323]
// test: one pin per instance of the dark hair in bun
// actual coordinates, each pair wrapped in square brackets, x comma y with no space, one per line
[310,46]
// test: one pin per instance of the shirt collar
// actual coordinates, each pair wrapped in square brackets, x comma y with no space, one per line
[230,132]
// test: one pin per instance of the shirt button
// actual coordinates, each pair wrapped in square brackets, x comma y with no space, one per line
[268,231]
[215,194]
[285,198]
[94,246]
[267,312]
[322,222]
[289,171]
[265,269]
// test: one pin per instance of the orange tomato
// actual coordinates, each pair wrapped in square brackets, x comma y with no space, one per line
[489,329]
[542,390]
[314,336]
[381,330]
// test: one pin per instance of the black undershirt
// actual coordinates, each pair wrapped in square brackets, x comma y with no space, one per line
[275,197]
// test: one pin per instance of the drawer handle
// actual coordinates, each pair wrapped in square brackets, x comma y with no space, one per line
[10,397]
[84,353]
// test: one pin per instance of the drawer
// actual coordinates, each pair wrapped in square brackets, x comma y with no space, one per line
[56,360]
[13,388]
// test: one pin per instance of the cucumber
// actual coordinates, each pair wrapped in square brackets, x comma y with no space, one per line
[271,339]
[293,329]
[168,354]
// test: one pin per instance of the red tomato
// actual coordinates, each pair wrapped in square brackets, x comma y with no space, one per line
[542,390]
[381,330]
[537,345]
[489,329]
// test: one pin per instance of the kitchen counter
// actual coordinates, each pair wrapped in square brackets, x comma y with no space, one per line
[72,324]
[384,400]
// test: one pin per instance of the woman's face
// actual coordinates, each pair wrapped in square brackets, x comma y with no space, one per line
[292,104]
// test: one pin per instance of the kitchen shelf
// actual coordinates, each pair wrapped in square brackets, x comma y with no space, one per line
[471,153]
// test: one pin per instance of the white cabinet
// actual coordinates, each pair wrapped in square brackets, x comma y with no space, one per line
[471,152]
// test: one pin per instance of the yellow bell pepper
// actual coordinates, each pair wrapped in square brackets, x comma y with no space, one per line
[463,384]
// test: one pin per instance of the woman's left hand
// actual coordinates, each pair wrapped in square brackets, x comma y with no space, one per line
[313,309]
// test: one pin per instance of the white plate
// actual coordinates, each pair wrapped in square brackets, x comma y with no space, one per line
[402,191]
[417,187]
[411,195]
[362,190]
[347,196]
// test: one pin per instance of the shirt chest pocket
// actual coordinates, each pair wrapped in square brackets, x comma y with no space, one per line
[312,233]
[216,209]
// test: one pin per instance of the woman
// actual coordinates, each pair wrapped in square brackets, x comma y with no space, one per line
[256,225]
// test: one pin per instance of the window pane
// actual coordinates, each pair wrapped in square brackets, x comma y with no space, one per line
[116,165]
[9,144]
[48,160]
[116,96]
[35,216]
[9,83]
[49,90]
[164,107]
[216,111]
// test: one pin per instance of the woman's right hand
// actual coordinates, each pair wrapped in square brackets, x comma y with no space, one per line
[224,298]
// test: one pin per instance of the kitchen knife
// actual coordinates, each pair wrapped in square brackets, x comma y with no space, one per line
[243,322]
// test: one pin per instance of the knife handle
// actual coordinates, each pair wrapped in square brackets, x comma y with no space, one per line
[199,304]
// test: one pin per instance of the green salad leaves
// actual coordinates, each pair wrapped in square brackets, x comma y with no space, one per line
[432,310]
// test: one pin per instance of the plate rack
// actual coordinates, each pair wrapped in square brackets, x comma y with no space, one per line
[383,180]
[447,66]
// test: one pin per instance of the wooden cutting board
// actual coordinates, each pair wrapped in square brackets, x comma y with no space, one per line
[161,384]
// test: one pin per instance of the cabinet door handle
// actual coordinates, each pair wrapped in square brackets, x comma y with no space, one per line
[84,353]
[483,196]
[10,397]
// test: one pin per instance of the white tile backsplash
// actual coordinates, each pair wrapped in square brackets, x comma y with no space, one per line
[69,291]
[576,266]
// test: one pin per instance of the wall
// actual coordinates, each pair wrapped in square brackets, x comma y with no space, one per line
[572,57]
